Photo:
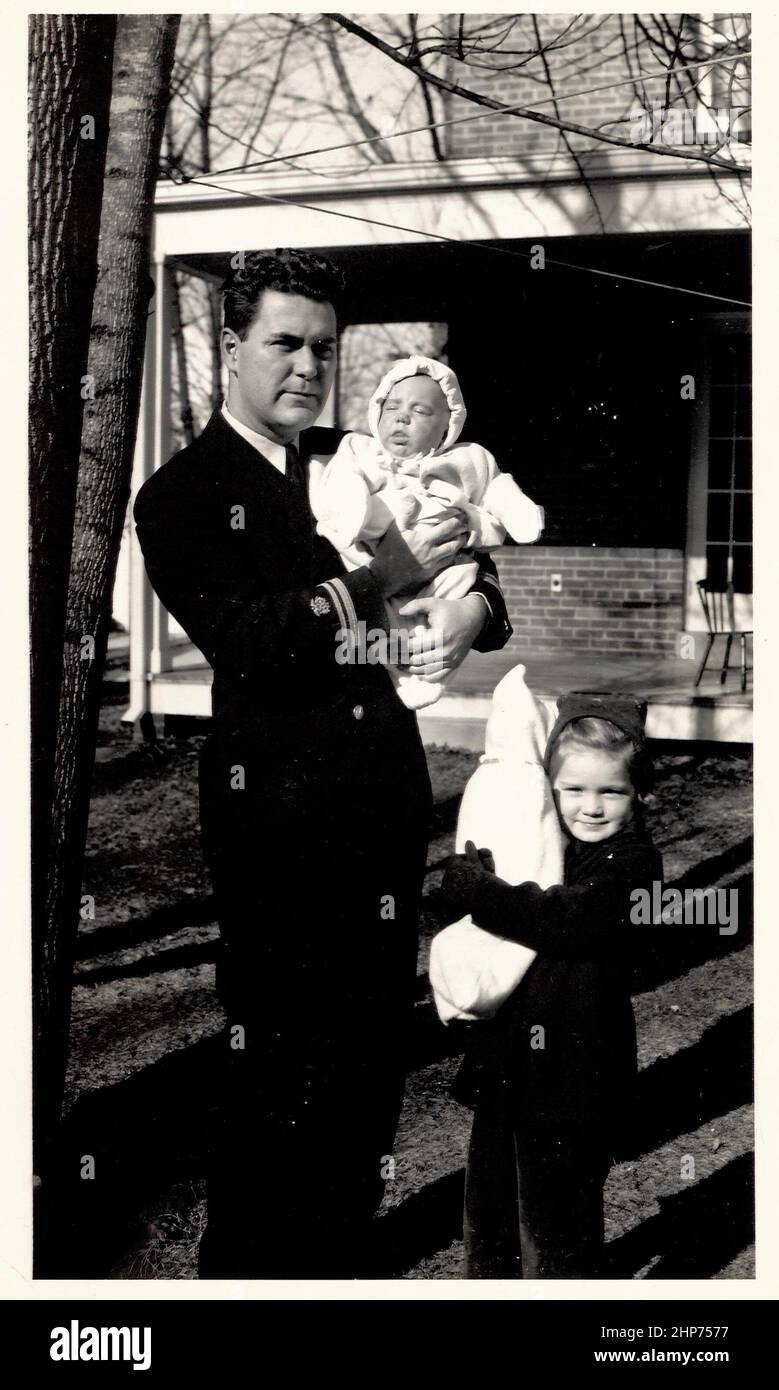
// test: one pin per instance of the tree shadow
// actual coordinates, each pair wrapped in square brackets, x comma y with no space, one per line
[697,1231]
[152,1129]
[141,1135]
[185,957]
[428,1221]
[676,1095]
[163,921]
[146,1133]
[665,953]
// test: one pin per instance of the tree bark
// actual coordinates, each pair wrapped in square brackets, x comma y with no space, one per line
[143,59]
[69,93]
[213,298]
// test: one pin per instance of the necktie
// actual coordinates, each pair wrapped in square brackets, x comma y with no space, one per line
[296,475]
[294,468]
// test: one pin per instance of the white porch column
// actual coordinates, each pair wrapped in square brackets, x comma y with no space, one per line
[161,328]
[148,619]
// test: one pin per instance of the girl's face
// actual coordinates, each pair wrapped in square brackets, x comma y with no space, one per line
[414,418]
[593,791]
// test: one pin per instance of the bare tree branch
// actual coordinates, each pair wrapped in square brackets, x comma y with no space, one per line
[567,142]
[524,114]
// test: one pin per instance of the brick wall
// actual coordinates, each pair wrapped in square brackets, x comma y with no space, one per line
[588,54]
[596,59]
[613,599]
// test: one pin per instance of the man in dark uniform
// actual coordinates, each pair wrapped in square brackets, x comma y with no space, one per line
[314,792]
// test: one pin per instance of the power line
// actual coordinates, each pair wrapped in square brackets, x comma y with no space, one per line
[478,116]
[475,245]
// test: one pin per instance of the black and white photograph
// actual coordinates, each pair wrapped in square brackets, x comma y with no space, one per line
[391,650]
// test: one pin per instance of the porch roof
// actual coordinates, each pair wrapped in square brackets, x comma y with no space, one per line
[465,200]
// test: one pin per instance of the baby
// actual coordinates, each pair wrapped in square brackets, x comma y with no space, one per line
[412,471]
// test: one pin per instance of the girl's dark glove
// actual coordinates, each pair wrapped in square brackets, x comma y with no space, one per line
[463,874]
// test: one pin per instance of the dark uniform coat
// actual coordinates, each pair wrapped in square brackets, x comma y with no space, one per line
[315,803]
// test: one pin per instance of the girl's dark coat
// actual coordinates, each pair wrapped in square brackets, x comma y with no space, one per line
[581,1068]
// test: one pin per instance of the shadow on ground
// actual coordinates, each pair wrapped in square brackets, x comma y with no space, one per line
[141,1135]
[697,1232]
[152,1130]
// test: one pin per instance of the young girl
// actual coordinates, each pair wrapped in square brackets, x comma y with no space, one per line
[550,1077]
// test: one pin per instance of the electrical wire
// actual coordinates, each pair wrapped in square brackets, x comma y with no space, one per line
[478,116]
[475,245]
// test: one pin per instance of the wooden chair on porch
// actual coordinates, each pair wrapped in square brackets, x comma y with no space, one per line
[719,609]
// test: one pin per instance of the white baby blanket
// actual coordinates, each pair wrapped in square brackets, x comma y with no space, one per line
[508,808]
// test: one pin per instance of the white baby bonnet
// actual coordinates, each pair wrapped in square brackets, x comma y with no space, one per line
[508,808]
[421,366]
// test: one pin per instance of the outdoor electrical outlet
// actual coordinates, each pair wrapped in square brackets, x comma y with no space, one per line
[556,584]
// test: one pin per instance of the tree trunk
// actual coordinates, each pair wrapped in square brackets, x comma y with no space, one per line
[69,94]
[143,59]
[213,298]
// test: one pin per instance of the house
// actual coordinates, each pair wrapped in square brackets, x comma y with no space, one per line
[594,302]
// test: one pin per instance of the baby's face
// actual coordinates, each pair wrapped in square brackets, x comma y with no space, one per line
[415,417]
[593,791]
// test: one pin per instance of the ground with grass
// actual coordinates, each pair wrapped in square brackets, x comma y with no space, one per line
[139,1086]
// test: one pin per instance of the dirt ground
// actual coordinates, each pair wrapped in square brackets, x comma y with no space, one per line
[679,1198]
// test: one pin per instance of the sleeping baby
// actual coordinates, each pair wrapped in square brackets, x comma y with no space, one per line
[412,470]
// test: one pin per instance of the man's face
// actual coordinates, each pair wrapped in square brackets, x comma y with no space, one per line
[282,370]
[414,417]
[593,791]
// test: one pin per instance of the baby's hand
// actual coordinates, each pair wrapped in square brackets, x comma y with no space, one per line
[406,510]
[432,509]
[405,559]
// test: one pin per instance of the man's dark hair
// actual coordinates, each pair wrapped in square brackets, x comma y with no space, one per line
[290,272]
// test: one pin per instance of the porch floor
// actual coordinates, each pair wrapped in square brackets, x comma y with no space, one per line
[677,709]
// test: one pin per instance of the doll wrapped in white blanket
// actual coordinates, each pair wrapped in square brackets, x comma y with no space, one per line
[508,808]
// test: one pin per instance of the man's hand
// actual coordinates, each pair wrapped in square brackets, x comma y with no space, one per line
[453,626]
[404,560]
[463,874]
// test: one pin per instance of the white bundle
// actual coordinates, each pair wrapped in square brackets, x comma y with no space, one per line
[508,808]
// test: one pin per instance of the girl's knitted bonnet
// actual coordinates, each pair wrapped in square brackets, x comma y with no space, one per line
[627,712]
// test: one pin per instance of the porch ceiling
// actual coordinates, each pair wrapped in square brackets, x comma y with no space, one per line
[436,281]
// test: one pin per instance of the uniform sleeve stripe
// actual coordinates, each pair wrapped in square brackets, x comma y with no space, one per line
[339,608]
[348,604]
